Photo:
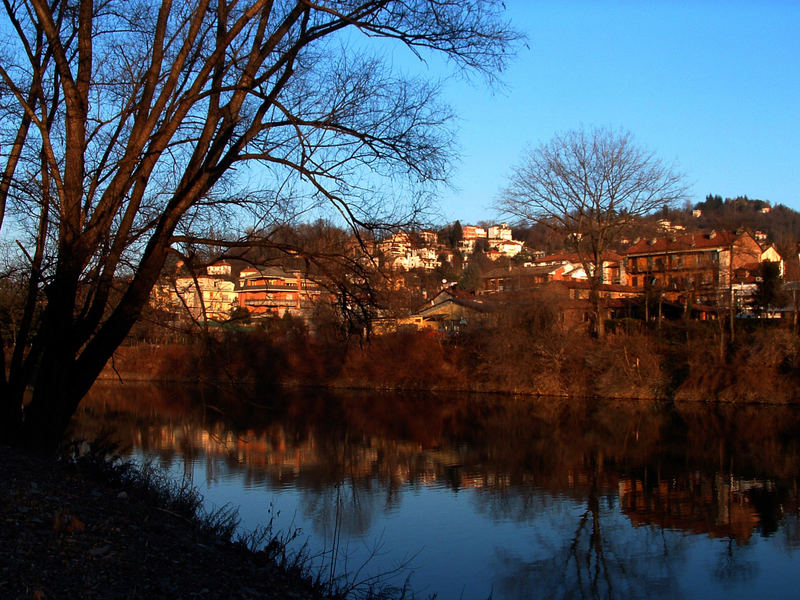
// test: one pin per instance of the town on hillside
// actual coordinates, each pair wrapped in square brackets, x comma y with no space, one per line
[680,265]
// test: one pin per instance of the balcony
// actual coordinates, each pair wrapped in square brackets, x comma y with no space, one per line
[270,302]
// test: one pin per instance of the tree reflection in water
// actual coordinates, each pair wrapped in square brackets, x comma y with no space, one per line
[607,491]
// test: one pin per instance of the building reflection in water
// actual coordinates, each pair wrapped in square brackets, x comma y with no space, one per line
[720,472]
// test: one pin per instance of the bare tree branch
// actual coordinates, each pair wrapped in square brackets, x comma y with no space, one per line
[590,186]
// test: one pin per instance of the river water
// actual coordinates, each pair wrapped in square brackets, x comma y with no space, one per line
[469,496]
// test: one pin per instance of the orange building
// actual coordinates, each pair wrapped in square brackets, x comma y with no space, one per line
[272,290]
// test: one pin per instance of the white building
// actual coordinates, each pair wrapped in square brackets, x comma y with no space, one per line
[220,268]
[206,298]
[499,232]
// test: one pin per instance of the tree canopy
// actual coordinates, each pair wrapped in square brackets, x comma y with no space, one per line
[590,186]
[128,127]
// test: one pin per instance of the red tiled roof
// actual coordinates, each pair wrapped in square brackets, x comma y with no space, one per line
[521,271]
[690,241]
[574,258]
[458,297]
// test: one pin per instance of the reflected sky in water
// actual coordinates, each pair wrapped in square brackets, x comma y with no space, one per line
[480,495]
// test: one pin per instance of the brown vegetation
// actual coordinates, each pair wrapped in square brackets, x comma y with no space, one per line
[534,344]
[761,367]
[528,349]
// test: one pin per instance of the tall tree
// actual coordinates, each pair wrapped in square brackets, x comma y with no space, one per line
[130,126]
[590,186]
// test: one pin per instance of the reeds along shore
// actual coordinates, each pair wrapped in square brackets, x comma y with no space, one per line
[695,361]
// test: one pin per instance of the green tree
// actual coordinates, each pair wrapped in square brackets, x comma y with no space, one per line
[470,279]
[130,127]
[456,234]
[451,234]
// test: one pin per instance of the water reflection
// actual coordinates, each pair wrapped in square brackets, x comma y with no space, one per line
[547,497]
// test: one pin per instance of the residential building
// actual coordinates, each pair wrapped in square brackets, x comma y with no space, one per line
[701,263]
[205,297]
[516,279]
[219,269]
[428,237]
[271,290]
[466,246]
[472,232]
[506,247]
[499,232]
[414,258]
[404,251]
[451,310]
[397,244]
[611,265]
[668,226]
[770,253]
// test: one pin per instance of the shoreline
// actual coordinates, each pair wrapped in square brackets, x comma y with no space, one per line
[68,531]
[763,367]
[685,395]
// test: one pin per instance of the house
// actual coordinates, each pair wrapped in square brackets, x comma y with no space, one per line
[515,279]
[208,296]
[451,310]
[771,254]
[573,266]
[428,237]
[506,247]
[700,264]
[271,290]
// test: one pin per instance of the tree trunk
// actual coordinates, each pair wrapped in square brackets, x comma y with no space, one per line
[601,323]
[10,414]
[597,309]
[60,384]
[48,415]
[67,368]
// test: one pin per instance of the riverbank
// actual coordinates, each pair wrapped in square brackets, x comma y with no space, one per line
[69,532]
[680,361]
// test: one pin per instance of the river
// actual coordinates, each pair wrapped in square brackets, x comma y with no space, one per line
[467,496]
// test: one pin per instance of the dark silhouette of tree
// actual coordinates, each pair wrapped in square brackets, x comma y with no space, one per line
[470,279]
[451,234]
[769,287]
[590,186]
[131,127]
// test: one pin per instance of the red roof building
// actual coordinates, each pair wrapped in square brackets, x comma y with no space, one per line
[701,263]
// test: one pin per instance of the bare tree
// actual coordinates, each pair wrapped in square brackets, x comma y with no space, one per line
[128,124]
[591,187]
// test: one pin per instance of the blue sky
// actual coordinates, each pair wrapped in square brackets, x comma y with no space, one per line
[713,87]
